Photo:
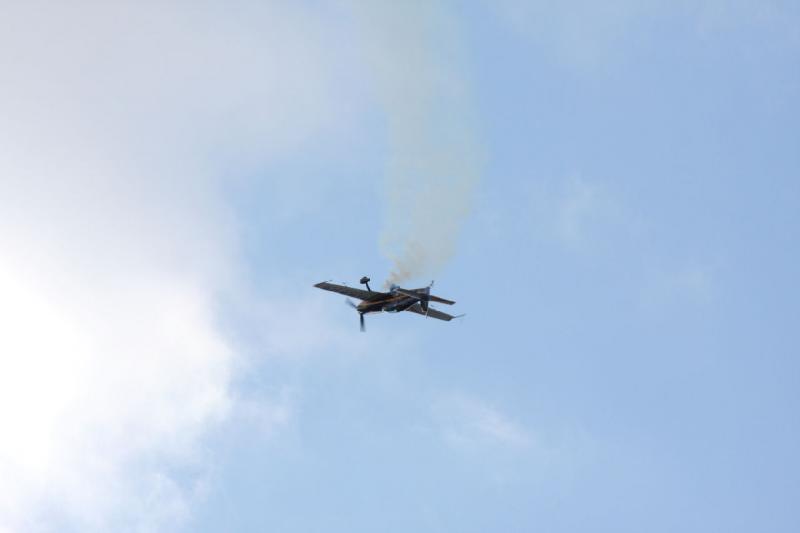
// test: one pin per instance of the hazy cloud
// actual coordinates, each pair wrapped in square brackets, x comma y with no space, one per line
[470,424]
[116,244]
[575,211]
[587,35]
[678,285]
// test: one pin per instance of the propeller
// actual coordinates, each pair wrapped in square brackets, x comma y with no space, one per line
[360,315]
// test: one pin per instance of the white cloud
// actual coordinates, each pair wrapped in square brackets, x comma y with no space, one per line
[586,35]
[504,449]
[691,284]
[470,424]
[115,244]
[576,212]
[100,364]
[582,33]
[264,413]
[581,202]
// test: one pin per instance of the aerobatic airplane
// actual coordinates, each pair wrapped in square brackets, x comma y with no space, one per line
[394,301]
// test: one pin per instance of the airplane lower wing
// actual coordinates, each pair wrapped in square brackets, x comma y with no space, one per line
[417,308]
[349,291]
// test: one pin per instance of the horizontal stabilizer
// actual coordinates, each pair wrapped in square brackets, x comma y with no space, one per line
[431,312]
[411,294]
[423,295]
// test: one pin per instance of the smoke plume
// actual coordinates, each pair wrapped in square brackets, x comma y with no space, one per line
[435,157]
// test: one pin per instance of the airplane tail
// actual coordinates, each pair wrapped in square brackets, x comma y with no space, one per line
[423,295]
[432,298]
[440,300]
[425,300]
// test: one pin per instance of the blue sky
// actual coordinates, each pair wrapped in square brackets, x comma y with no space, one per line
[175,181]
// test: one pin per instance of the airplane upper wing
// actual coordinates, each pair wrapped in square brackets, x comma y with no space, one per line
[420,294]
[410,294]
[348,291]
[417,308]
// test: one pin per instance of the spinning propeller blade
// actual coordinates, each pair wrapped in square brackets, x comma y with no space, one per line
[360,315]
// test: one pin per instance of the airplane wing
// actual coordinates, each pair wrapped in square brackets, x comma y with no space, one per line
[419,294]
[410,294]
[348,291]
[416,308]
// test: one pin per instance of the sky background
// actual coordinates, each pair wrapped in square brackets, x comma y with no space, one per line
[609,190]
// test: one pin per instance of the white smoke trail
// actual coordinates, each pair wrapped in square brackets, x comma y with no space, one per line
[435,157]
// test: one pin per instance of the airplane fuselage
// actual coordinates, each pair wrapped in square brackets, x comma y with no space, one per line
[390,302]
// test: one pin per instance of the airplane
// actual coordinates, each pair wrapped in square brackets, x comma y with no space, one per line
[394,301]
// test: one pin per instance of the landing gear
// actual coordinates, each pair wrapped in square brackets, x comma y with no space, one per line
[365,281]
